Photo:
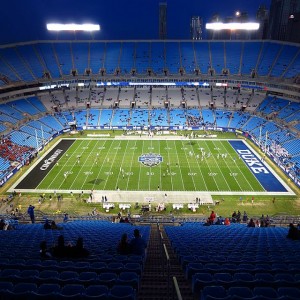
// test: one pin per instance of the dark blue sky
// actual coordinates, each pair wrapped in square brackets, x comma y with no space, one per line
[24,20]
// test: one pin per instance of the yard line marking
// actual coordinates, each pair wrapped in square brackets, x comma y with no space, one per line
[141,167]
[228,165]
[179,166]
[103,161]
[199,167]
[94,161]
[169,167]
[160,182]
[82,165]
[219,169]
[132,158]
[121,166]
[112,163]
[204,160]
[65,165]
[240,170]
[189,167]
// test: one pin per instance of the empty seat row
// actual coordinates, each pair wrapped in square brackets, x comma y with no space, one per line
[66,277]
[202,280]
[242,292]
[102,263]
[195,267]
[31,291]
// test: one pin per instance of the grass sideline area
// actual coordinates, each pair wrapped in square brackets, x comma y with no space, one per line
[285,205]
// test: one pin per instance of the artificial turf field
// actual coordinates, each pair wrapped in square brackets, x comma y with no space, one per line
[111,164]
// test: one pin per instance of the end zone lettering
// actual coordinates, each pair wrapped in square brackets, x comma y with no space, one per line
[50,160]
[252,161]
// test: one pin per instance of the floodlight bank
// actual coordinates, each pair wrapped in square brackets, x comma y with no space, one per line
[232,26]
[72,27]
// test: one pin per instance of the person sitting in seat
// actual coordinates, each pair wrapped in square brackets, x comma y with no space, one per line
[251,223]
[123,246]
[78,250]
[44,253]
[60,250]
[137,244]
[293,233]
[227,222]
[47,225]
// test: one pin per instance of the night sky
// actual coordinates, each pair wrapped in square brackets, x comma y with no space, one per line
[25,20]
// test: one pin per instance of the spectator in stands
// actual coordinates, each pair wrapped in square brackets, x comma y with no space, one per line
[267,221]
[123,246]
[54,226]
[238,217]
[66,218]
[220,221]
[234,217]
[30,211]
[2,224]
[44,253]
[47,225]
[212,217]
[227,222]
[137,244]
[262,221]
[293,233]
[251,223]
[60,250]
[257,223]
[245,217]
[78,250]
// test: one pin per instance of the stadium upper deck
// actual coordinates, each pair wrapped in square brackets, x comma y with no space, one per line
[48,60]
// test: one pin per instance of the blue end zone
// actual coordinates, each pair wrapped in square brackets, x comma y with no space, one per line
[263,174]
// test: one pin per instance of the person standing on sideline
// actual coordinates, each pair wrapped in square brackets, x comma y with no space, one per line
[30,211]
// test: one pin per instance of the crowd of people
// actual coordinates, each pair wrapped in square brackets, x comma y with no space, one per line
[237,217]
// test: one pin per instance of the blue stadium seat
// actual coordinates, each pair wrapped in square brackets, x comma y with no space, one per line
[96,292]
[129,278]
[123,292]
[47,290]
[265,292]
[213,292]
[87,278]
[292,293]
[240,291]
[107,278]
[200,280]
[74,291]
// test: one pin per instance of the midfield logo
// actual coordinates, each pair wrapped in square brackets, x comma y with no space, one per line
[150,159]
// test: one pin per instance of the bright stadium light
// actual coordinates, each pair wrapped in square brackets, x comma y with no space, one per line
[232,26]
[72,27]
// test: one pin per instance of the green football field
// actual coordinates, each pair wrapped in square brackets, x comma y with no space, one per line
[167,165]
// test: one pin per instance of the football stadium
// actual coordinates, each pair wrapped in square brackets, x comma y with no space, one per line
[150,168]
